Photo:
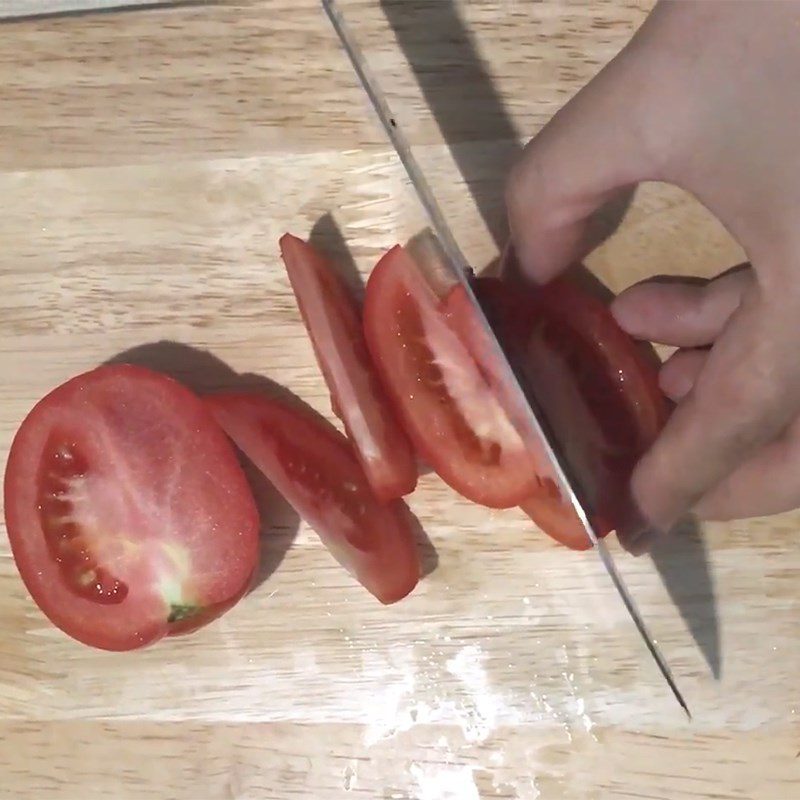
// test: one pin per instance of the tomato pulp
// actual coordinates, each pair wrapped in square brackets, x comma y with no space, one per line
[449,405]
[128,513]
[333,321]
[314,467]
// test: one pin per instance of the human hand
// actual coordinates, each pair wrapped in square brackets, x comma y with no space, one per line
[704,97]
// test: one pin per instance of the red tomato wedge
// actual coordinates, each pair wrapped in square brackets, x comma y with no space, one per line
[333,321]
[129,516]
[314,467]
[597,389]
[554,515]
[449,405]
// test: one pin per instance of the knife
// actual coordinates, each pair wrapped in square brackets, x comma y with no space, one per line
[535,428]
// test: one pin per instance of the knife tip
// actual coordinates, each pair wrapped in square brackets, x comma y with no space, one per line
[681,701]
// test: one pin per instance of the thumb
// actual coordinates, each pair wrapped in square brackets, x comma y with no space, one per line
[565,194]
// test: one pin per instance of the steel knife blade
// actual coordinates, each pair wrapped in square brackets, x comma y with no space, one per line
[532,426]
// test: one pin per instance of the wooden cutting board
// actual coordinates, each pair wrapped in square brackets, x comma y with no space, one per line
[149,161]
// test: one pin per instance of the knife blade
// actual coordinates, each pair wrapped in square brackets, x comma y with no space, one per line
[536,428]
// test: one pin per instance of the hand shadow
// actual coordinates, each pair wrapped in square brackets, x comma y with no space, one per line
[461,95]
[204,373]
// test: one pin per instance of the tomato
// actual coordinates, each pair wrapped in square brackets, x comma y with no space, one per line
[314,467]
[333,321]
[129,516]
[449,406]
[554,515]
[597,390]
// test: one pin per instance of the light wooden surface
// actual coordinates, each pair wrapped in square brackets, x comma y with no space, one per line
[148,163]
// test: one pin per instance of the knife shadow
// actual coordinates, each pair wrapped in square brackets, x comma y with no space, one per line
[461,95]
[484,143]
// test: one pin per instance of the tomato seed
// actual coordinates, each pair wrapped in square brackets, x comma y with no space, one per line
[64,537]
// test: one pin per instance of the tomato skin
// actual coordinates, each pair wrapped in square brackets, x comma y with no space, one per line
[333,321]
[448,405]
[121,473]
[596,387]
[316,470]
[550,513]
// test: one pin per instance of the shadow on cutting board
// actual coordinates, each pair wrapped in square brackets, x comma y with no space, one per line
[327,238]
[482,138]
[460,93]
[681,558]
[204,373]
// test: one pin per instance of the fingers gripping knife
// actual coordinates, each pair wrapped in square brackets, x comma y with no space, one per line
[530,424]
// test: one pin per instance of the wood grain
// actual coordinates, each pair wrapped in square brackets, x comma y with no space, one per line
[148,163]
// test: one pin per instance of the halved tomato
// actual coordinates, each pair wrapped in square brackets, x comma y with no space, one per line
[449,406]
[333,321]
[599,393]
[314,467]
[128,513]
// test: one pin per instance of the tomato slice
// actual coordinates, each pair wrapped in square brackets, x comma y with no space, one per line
[596,388]
[128,513]
[314,467]
[449,405]
[333,321]
[554,515]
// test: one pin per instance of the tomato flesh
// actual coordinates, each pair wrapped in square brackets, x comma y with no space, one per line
[121,530]
[315,468]
[598,393]
[333,321]
[449,406]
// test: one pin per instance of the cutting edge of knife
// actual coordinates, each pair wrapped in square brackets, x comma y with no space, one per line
[459,267]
